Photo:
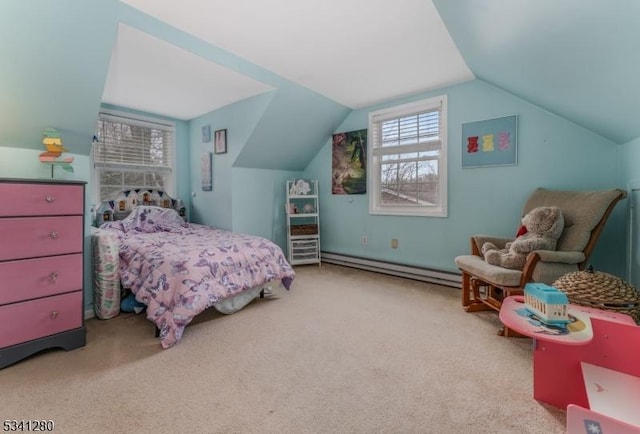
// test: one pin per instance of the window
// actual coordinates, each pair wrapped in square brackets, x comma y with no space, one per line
[407,162]
[132,152]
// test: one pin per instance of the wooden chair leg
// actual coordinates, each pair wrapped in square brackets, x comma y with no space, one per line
[466,289]
[472,299]
[509,333]
[475,288]
[475,303]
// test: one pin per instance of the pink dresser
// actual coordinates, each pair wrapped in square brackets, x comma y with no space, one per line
[41,267]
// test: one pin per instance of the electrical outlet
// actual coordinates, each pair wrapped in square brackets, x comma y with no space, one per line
[394,243]
[364,241]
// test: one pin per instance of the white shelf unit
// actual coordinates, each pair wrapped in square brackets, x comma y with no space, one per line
[303,222]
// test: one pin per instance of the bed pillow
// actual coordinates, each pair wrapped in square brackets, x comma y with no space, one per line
[153,219]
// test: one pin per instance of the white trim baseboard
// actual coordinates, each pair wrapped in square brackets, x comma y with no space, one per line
[89,313]
[411,272]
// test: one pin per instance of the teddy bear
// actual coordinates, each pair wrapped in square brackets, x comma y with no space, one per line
[541,228]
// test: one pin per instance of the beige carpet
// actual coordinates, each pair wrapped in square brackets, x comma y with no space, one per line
[345,351]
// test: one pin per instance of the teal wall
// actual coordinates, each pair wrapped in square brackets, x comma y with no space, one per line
[55,58]
[292,130]
[552,152]
[630,180]
[259,196]
[629,167]
[214,208]
[270,138]
[577,58]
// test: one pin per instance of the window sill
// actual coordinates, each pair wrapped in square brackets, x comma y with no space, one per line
[438,212]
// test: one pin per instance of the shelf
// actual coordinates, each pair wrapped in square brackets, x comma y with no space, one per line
[305,261]
[314,214]
[303,248]
[303,237]
[303,196]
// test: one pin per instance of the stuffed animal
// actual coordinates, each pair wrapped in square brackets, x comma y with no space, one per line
[540,230]
[130,304]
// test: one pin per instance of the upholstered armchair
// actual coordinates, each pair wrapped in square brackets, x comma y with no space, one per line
[585,213]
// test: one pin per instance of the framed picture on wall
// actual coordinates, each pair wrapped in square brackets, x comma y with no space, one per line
[492,142]
[206,134]
[349,163]
[220,141]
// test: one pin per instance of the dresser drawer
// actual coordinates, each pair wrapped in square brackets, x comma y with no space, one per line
[39,236]
[35,278]
[21,322]
[24,199]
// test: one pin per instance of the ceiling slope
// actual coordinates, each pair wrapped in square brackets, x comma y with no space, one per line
[576,58]
[55,58]
[293,128]
[149,74]
[356,52]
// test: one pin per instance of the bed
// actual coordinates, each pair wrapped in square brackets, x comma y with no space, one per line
[179,269]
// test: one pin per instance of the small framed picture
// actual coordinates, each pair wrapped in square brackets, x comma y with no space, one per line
[491,142]
[220,144]
[206,134]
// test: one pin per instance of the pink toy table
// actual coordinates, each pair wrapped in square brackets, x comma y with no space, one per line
[601,338]
[581,420]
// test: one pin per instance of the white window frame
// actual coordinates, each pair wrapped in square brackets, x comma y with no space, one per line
[145,121]
[374,161]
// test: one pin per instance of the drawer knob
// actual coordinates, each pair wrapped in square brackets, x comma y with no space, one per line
[53,276]
[53,314]
[53,235]
[50,198]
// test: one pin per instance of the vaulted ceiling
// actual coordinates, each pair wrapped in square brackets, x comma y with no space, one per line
[579,59]
[356,52]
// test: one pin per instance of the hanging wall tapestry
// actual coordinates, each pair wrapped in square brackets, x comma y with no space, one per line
[206,165]
[349,163]
[490,143]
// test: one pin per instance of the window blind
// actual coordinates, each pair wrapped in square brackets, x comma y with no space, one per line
[132,144]
[406,130]
[407,127]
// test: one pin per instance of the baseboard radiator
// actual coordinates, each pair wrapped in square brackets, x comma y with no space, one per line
[411,272]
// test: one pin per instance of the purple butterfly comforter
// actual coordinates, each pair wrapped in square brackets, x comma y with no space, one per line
[179,269]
